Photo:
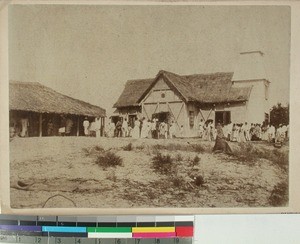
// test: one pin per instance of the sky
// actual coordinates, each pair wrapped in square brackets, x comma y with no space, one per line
[89,52]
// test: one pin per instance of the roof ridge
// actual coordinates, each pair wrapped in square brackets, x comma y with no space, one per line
[214,73]
[140,79]
[25,82]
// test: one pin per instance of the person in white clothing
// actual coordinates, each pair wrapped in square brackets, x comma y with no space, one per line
[136,129]
[24,126]
[125,128]
[271,133]
[97,126]
[86,125]
[172,130]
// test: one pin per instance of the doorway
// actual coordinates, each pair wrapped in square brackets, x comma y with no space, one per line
[163,116]
[223,117]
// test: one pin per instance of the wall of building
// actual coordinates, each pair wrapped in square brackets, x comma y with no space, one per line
[258,103]
[161,92]
[238,111]
[161,98]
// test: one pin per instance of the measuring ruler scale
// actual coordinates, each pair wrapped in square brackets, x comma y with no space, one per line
[97,230]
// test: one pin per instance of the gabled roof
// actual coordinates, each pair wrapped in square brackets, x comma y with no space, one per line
[203,88]
[35,97]
[132,92]
[217,88]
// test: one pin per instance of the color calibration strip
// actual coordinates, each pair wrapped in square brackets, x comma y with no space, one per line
[97,230]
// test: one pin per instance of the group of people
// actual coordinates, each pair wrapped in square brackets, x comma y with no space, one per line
[141,128]
[19,128]
[92,128]
[242,132]
[234,132]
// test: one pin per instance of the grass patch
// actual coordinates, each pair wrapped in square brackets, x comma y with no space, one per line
[128,147]
[108,159]
[198,148]
[163,164]
[180,147]
[179,157]
[246,152]
[279,195]
[92,151]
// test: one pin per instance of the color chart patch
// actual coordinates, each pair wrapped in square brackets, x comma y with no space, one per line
[97,230]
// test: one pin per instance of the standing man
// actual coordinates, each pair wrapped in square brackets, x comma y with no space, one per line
[86,125]
[125,128]
[119,128]
[69,125]
[24,126]
[97,126]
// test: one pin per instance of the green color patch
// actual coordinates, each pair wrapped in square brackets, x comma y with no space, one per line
[109,229]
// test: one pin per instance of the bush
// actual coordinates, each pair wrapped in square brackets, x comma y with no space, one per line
[179,157]
[246,152]
[128,147]
[162,163]
[196,160]
[198,148]
[178,182]
[280,158]
[92,151]
[108,159]
[279,195]
[98,149]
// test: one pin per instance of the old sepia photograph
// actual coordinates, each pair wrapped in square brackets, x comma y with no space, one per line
[149,106]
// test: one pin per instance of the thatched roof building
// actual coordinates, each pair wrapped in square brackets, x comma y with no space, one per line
[188,99]
[202,88]
[35,97]
[37,110]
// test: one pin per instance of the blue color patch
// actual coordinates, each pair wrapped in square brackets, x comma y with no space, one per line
[64,229]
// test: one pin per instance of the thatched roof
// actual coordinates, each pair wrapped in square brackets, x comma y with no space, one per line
[203,88]
[132,92]
[33,96]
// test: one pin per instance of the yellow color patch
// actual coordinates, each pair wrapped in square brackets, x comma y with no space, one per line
[152,229]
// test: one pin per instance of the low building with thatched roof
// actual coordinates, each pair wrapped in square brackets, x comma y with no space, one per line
[44,109]
[188,99]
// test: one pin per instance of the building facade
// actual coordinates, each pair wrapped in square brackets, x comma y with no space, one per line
[43,111]
[187,99]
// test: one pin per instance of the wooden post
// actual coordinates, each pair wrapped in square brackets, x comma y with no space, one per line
[101,126]
[103,130]
[77,133]
[40,125]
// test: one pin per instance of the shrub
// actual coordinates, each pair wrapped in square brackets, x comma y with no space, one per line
[246,152]
[98,149]
[249,153]
[196,160]
[179,157]
[128,147]
[198,148]
[108,159]
[280,158]
[178,182]
[140,147]
[162,163]
[92,151]
[279,195]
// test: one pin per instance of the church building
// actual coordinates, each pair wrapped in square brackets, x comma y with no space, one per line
[240,96]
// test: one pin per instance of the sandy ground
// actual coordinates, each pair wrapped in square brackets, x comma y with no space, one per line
[61,172]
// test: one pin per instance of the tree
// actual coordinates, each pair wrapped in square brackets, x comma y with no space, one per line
[280,114]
